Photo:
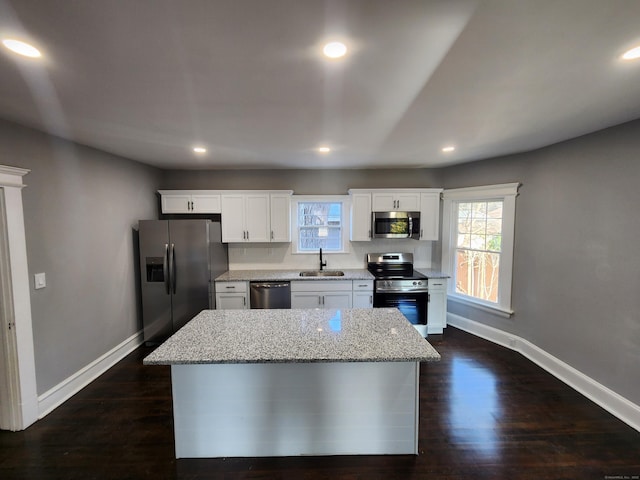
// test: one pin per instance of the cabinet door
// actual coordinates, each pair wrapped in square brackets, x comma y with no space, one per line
[177,203]
[205,203]
[429,216]
[231,301]
[437,307]
[233,218]
[306,300]
[360,217]
[336,299]
[383,202]
[407,202]
[362,299]
[257,217]
[280,217]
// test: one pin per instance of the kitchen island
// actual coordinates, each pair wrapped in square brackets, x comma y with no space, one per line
[251,383]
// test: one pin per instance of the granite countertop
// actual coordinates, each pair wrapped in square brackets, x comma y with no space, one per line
[295,336]
[283,275]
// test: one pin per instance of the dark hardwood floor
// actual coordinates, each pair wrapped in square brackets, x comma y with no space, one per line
[486,413]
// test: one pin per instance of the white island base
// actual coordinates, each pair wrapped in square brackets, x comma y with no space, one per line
[288,409]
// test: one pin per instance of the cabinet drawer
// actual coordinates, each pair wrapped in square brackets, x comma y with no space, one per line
[231,287]
[437,284]
[359,285]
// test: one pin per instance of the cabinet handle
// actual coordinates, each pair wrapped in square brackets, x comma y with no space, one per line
[247,235]
[420,233]
[233,288]
[369,233]
[428,297]
[244,301]
[370,299]
[271,234]
[244,235]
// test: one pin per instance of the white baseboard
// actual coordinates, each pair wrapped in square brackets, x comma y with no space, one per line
[614,403]
[57,395]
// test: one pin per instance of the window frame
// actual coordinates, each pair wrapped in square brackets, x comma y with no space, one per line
[344,221]
[505,193]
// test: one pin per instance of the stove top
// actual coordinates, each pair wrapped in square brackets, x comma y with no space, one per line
[392,266]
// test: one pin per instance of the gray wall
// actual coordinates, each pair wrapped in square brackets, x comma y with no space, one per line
[302,182]
[576,285]
[80,207]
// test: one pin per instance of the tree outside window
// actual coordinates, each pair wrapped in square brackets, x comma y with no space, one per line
[479,242]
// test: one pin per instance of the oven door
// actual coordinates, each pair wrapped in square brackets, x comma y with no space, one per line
[412,305]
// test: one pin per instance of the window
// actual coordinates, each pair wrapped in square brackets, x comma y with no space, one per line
[477,250]
[320,223]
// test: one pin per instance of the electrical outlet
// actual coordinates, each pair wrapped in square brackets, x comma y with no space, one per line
[39,281]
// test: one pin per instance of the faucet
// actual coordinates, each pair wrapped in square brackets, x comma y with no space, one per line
[322,264]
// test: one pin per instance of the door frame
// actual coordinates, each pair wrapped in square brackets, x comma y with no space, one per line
[19,403]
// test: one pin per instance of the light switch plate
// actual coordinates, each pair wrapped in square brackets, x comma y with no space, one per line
[39,280]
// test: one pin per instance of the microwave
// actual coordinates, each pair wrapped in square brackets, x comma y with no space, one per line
[395,225]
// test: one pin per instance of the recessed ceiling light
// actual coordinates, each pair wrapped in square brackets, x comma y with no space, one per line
[335,50]
[21,48]
[448,149]
[324,149]
[632,54]
[199,150]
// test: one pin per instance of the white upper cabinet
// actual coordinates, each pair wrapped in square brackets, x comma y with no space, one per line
[256,216]
[360,217]
[423,200]
[281,217]
[391,200]
[430,214]
[189,201]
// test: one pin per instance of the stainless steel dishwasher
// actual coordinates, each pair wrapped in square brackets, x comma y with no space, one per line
[270,294]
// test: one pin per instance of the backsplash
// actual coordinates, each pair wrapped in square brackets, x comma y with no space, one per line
[269,256]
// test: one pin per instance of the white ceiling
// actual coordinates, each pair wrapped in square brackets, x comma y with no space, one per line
[148,79]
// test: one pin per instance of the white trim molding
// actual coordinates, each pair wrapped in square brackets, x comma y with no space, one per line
[20,361]
[506,193]
[56,396]
[611,401]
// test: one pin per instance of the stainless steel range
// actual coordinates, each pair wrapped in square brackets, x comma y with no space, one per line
[397,285]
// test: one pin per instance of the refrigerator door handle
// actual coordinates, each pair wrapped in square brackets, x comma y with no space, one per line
[172,266]
[165,268]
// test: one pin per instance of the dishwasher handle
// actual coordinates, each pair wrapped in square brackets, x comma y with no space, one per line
[270,285]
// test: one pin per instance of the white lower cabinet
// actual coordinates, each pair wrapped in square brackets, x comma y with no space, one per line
[437,307]
[232,296]
[363,294]
[321,294]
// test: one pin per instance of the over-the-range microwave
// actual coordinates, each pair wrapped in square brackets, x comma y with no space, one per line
[395,225]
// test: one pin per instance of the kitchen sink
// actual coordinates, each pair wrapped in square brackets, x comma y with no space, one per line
[322,273]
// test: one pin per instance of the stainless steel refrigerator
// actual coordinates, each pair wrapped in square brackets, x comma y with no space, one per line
[179,260]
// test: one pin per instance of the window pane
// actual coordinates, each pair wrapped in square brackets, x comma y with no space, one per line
[477,274]
[478,242]
[319,226]
[464,225]
[494,209]
[478,226]
[479,210]
[494,226]
[494,243]
[464,241]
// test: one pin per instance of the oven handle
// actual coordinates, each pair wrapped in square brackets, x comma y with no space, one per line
[410,232]
[402,290]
